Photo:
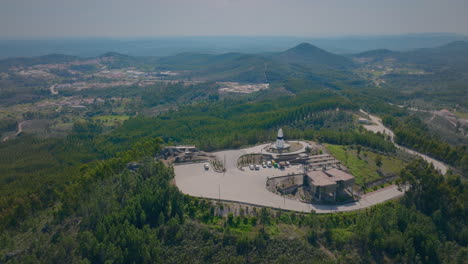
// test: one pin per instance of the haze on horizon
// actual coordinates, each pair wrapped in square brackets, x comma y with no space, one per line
[158,18]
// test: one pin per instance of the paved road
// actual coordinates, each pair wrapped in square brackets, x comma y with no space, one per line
[248,186]
[19,130]
[52,89]
[452,119]
[379,127]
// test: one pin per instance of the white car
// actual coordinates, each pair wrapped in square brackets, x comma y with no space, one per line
[207,166]
[251,167]
[269,164]
[257,167]
[264,165]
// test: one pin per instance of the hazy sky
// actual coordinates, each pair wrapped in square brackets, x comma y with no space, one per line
[107,18]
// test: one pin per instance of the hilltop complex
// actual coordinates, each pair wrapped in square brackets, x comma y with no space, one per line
[266,175]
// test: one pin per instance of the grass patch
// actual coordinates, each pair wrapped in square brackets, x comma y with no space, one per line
[461,114]
[63,126]
[363,166]
[111,120]
[241,229]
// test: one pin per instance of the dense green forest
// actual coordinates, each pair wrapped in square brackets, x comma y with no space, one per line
[126,217]
[102,212]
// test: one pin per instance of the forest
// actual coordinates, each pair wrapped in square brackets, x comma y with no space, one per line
[126,217]
[101,212]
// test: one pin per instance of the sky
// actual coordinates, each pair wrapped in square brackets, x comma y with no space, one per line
[160,18]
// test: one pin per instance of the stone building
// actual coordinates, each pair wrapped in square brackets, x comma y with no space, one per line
[325,185]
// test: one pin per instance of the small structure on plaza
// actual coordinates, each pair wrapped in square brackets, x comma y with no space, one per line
[178,150]
[182,153]
[280,139]
[364,121]
[280,145]
[327,185]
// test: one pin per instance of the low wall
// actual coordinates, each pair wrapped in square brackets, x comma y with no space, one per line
[190,162]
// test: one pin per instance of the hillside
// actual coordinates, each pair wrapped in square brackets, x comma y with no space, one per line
[303,61]
[373,55]
[5,64]
[427,77]
[225,67]
[453,55]
[307,54]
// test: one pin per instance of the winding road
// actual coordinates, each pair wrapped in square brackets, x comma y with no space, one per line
[18,132]
[52,89]
[379,127]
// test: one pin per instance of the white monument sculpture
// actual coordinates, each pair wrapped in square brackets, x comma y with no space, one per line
[280,140]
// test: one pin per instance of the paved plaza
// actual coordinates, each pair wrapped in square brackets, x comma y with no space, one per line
[249,186]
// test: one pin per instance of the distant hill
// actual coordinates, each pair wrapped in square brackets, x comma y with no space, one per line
[444,77]
[120,60]
[189,60]
[5,64]
[303,61]
[452,55]
[456,46]
[113,55]
[378,53]
[165,46]
[310,55]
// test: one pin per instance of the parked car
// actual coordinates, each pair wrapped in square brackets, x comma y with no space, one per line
[207,166]
[269,164]
[251,167]
[257,167]
[264,165]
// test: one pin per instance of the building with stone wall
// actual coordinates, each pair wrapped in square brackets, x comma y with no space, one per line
[326,185]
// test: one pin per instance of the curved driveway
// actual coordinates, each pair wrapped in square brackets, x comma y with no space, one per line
[379,127]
